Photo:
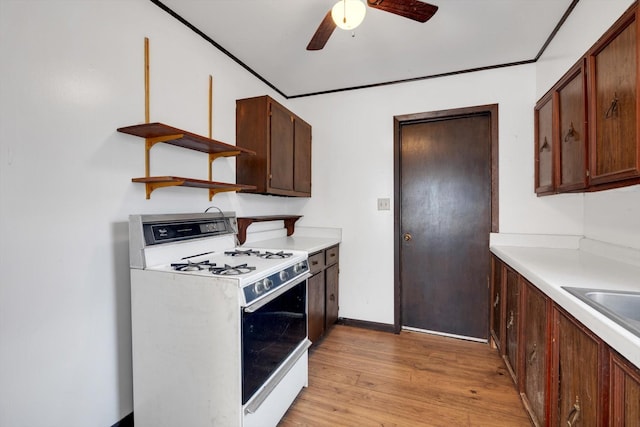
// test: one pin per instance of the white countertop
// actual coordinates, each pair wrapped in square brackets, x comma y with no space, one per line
[300,243]
[551,268]
[308,239]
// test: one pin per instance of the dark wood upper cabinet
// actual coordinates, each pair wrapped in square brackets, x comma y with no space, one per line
[587,132]
[613,83]
[282,142]
[544,145]
[572,131]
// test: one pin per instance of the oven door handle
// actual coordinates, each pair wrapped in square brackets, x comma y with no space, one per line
[275,294]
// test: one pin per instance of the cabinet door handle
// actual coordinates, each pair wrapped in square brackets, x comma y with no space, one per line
[574,414]
[407,237]
[510,322]
[314,262]
[545,145]
[532,356]
[571,133]
[613,107]
[495,303]
[332,297]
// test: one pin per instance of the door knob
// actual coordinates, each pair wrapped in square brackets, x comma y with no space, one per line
[407,237]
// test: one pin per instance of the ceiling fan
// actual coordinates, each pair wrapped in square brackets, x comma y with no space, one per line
[348,14]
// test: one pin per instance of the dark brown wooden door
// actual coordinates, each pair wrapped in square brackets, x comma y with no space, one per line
[445,215]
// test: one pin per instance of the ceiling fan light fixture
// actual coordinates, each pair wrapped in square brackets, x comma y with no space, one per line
[348,14]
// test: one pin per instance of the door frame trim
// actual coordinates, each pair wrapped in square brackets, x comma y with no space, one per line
[398,122]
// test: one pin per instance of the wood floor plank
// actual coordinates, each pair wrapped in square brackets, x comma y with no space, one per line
[360,377]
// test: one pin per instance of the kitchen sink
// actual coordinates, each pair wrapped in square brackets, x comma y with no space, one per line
[623,307]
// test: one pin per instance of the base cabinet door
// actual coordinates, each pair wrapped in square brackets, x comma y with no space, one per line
[323,292]
[331,297]
[497,301]
[315,308]
[534,317]
[512,318]
[624,393]
[575,387]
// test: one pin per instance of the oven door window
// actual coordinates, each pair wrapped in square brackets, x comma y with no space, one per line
[269,335]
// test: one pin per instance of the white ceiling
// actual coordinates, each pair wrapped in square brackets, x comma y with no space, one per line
[270,37]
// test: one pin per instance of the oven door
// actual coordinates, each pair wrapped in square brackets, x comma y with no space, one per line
[271,330]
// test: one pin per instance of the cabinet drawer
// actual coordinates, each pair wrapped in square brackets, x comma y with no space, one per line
[316,262]
[331,256]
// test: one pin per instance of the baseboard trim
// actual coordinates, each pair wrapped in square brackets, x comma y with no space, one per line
[125,422]
[383,327]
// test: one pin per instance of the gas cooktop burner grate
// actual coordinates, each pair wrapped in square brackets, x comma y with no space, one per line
[238,252]
[275,255]
[229,270]
[192,266]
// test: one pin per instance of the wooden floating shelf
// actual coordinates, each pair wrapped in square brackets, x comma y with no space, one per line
[245,222]
[154,182]
[181,138]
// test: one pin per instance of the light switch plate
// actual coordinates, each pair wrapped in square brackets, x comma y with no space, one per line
[384,204]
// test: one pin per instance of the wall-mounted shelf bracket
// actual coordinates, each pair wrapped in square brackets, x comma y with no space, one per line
[245,222]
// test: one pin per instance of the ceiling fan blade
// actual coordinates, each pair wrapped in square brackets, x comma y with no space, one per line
[322,34]
[412,9]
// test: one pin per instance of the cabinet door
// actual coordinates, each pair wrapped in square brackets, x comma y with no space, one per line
[576,391]
[315,306]
[511,327]
[331,314]
[302,157]
[496,301]
[281,148]
[613,74]
[572,128]
[544,146]
[534,337]
[624,393]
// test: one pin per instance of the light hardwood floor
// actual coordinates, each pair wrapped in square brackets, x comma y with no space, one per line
[359,377]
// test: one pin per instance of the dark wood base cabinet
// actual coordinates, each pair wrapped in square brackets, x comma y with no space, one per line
[535,360]
[322,293]
[577,390]
[624,393]
[565,374]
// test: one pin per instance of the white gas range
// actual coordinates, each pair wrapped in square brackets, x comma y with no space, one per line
[219,333]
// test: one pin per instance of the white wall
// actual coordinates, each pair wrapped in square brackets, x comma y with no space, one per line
[72,72]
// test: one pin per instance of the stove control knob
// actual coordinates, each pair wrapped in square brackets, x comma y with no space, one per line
[268,283]
[258,287]
[284,275]
[298,267]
